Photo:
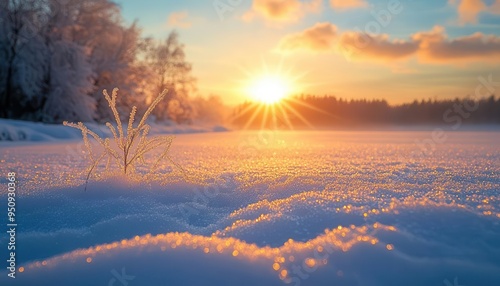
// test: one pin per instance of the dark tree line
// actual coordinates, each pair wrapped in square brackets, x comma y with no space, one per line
[330,111]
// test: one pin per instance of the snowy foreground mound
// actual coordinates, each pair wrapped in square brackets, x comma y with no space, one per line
[15,130]
[299,208]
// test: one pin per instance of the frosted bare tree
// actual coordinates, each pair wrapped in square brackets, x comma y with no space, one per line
[166,61]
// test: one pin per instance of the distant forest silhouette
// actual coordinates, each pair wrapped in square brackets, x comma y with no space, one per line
[329,111]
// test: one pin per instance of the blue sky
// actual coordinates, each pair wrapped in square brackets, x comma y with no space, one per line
[430,49]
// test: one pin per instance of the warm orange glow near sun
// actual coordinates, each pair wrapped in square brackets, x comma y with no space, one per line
[269,89]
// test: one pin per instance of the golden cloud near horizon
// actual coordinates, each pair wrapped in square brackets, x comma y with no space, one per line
[179,20]
[469,10]
[282,11]
[429,46]
[347,4]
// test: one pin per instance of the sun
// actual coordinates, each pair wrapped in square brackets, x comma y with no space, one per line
[273,104]
[269,89]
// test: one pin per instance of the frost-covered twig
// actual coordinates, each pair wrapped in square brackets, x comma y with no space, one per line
[130,146]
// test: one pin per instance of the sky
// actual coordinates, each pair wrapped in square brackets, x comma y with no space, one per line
[374,49]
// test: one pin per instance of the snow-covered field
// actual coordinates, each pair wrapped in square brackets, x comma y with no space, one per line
[264,208]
